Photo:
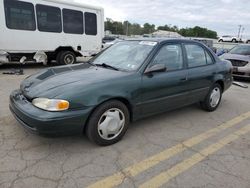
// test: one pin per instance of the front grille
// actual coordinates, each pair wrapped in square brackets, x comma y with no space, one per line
[238,63]
[239,73]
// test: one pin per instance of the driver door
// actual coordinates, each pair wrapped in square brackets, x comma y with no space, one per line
[162,91]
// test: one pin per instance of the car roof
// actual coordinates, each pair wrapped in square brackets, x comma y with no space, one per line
[160,40]
[243,45]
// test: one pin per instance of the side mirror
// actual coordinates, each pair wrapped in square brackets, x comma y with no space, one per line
[156,68]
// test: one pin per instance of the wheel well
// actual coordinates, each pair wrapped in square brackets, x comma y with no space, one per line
[128,105]
[221,83]
[66,48]
[122,100]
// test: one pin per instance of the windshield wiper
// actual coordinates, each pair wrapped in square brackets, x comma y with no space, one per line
[89,62]
[107,66]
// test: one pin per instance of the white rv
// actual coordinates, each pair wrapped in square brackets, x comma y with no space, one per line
[46,30]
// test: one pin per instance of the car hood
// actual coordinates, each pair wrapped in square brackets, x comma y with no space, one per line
[229,56]
[47,83]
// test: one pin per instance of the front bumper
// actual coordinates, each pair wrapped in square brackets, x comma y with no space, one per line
[243,72]
[44,122]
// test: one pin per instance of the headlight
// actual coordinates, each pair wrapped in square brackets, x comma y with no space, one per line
[51,104]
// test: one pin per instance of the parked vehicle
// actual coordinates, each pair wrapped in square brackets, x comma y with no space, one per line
[240,59]
[46,30]
[108,44]
[126,82]
[227,38]
[107,39]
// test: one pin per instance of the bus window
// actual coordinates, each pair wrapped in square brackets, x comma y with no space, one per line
[90,23]
[48,18]
[19,15]
[72,21]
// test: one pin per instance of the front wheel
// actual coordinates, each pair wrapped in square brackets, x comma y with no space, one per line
[108,123]
[234,41]
[213,99]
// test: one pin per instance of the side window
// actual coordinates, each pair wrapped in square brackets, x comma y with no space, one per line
[72,21]
[209,58]
[195,55]
[49,18]
[19,15]
[171,56]
[90,23]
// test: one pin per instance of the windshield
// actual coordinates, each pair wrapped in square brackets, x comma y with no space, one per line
[127,55]
[241,49]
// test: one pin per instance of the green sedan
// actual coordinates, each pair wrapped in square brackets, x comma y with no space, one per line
[126,82]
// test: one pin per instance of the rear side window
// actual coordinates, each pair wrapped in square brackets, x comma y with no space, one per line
[19,15]
[72,21]
[209,58]
[90,23]
[49,18]
[195,55]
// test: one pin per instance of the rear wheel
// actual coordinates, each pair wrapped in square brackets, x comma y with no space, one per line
[66,58]
[234,40]
[108,123]
[213,99]
[220,40]
[248,41]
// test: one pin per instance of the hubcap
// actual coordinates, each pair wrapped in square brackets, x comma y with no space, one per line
[69,59]
[111,124]
[215,97]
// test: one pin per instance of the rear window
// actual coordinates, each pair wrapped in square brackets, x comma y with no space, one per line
[90,23]
[19,15]
[49,18]
[72,21]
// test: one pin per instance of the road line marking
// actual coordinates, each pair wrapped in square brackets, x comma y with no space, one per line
[133,170]
[181,167]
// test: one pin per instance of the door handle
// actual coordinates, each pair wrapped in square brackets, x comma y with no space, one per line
[184,79]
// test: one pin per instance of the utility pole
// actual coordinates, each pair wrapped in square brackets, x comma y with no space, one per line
[127,29]
[239,31]
[242,32]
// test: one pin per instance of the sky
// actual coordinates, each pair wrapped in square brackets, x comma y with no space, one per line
[223,16]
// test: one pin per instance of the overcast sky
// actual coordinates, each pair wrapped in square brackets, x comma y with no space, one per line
[223,16]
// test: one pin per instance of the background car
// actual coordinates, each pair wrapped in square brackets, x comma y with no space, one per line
[228,38]
[108,44]
[239,56]
[107,39]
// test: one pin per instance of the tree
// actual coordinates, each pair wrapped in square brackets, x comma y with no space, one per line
[127,28]
[198,32]
[148,28]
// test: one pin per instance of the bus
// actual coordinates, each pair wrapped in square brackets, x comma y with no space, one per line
[47,30]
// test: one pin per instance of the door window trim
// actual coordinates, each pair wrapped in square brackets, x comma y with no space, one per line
[157,52]
[205,50]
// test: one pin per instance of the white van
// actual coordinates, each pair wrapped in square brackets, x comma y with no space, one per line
[47,30]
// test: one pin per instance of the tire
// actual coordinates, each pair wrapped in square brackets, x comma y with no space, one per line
[248,42]
[220,40]
[208,104]
[118,114]
[66,58]
[234,40]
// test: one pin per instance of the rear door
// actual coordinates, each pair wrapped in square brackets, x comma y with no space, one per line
[201,71]
[162,91]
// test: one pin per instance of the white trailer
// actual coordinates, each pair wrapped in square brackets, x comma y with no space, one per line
[46,30]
